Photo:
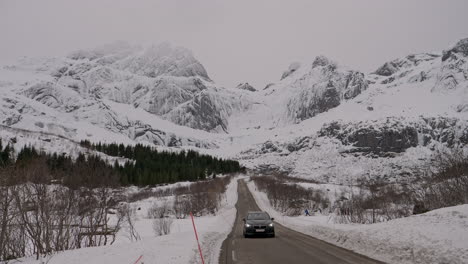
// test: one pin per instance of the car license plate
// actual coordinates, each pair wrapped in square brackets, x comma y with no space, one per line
[259,230]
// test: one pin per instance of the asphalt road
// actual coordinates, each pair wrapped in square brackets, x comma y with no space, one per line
[287,247]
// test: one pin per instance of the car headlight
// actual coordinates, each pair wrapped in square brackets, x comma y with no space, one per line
[270,225]
[247,225]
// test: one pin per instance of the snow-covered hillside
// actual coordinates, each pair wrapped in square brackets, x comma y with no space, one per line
[412,107]
[318,120]
[438,236]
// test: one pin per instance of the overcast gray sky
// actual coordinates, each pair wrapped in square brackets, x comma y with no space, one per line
[238,40]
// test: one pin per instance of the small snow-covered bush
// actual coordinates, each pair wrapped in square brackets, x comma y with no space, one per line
[162,226]
[158,210]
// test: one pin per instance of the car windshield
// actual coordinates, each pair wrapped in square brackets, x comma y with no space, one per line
[258,216]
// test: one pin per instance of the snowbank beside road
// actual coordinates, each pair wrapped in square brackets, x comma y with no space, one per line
[214,233]
[439,236]
[179,247]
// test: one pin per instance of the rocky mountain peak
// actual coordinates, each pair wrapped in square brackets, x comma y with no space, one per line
[164,60]
[152,61]
[388,69]
[322,88]
[321,61]
[460,48]
[246,86]
[453,72]
[292,68]
[392,67]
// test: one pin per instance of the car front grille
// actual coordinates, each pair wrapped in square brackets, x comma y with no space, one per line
[259,226]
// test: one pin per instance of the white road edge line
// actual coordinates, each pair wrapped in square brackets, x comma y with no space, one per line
[234,256]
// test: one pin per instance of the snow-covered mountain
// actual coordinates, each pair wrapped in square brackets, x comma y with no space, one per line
[320,87]
[317,121]
[390,127]
[83,94]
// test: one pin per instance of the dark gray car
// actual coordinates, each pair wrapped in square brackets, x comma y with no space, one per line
[258,223]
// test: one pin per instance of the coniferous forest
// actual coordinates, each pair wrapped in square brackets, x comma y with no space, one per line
[145,165]
[154,167]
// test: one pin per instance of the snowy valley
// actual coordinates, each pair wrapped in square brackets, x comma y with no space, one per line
[322,126]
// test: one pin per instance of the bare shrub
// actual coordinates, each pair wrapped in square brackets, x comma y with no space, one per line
[93,216]
[200,198]
[290,199]
[11,244]
[376,201]
[181,206]
[149,193]
[162,226]
[445,184]
[126,216]
[38,218]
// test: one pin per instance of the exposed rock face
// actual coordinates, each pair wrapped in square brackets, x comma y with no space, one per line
[309,104]
[355,84]
[268,86]
[300,143]
[450,131]
[453,73]
[202,113]
[321,61]
[368,138]
[268,147]
[246,86]
[388,140]
[460,48]
[292,68]
[323,88]
[397,135]
[165,94]
[145,133]
[387,69]
[406,67]
[395,66]
[462,107]
[45,93]
[208,110]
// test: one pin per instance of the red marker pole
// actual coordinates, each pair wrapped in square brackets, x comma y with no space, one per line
[196,236]
[138,260]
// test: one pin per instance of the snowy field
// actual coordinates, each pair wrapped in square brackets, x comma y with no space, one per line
[178,247]
[439,236]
